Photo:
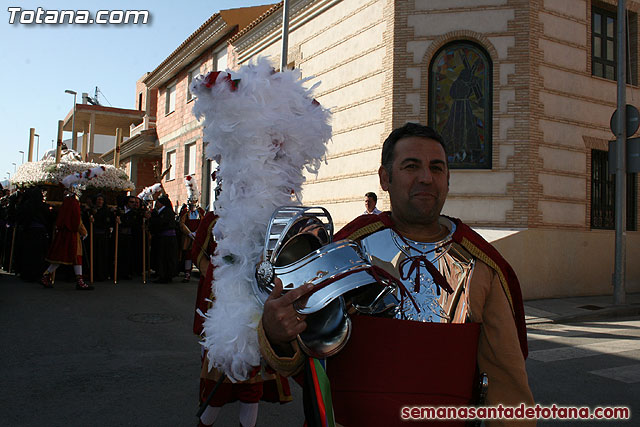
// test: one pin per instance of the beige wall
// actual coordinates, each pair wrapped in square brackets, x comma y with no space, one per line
[372,59]
[561,263]
[344,49]
[480,197]
[575,111]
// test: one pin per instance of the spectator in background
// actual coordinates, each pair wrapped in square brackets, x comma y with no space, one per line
[370,200]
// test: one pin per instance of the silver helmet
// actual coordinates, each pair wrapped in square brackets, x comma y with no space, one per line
[299,250]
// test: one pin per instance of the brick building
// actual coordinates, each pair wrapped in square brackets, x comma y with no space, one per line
[140,154]
[179,134]
[522,90]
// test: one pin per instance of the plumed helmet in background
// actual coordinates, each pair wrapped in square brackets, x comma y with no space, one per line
[192,189]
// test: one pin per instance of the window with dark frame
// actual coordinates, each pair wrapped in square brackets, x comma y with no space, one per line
[190,159]
[603,194]
[171,162]
[604,42]
[190,76]
[170,102]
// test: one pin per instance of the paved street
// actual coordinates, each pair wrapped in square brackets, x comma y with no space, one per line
[121,355]
[124,355]
[594,363]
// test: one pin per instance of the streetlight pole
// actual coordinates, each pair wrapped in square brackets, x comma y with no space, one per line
[37,147]
[21,152]
[73,119]
[620,254]
[14,167]
[285,35]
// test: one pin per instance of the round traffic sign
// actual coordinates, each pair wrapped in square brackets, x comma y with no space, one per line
[632,120]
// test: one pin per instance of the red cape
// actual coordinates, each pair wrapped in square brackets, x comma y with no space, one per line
[64,248]
[203,245]
[365,225]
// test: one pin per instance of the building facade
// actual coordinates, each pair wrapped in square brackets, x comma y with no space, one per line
[522,91]
[179,133]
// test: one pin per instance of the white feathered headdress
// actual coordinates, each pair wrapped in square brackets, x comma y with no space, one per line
[266,127]
[148,192]
[192,189]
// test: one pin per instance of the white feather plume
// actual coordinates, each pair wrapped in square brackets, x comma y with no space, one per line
[148,192]
[265,129]
[192,189]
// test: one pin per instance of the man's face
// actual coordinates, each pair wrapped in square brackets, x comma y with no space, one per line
[136,203]
[131,203]
[99,202]
[369,204]
[419,180]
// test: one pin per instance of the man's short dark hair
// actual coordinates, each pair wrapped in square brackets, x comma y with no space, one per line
[372,195]
[409,129]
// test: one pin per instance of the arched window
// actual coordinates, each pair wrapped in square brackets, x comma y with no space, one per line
[460,99]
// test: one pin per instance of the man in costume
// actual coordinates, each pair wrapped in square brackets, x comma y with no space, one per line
[414,171]
[67,244]
[103,220]
[189,221]
[268,387]
[370,201]
[34,218]
[129,220]
[162,224]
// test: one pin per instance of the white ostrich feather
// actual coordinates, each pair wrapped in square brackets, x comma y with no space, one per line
[148,192]
[264,132]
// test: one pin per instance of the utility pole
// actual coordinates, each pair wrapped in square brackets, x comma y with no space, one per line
[621,175]
[285,35]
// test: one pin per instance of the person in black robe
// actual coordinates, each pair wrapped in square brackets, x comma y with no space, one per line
[162,223]
[128,219]
[34,219]
[103,221]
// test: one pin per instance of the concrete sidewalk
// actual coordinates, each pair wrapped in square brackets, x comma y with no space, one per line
[579,309]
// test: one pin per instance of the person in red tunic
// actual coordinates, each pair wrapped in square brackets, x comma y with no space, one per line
[67,245]
[269,388]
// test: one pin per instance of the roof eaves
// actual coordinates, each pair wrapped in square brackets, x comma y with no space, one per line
[255,22]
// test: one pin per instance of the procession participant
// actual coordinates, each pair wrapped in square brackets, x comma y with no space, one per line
[67,246]
[370,201]
[145,200]
[136,256]
[103,220]
[34,219]
[268,387]
[11,230]
[415,173]
[189,220]
[128,220]
[162,225]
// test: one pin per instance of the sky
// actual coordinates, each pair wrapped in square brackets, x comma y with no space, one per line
[40,61]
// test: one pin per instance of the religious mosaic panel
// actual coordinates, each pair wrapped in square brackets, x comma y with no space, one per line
[460,99]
